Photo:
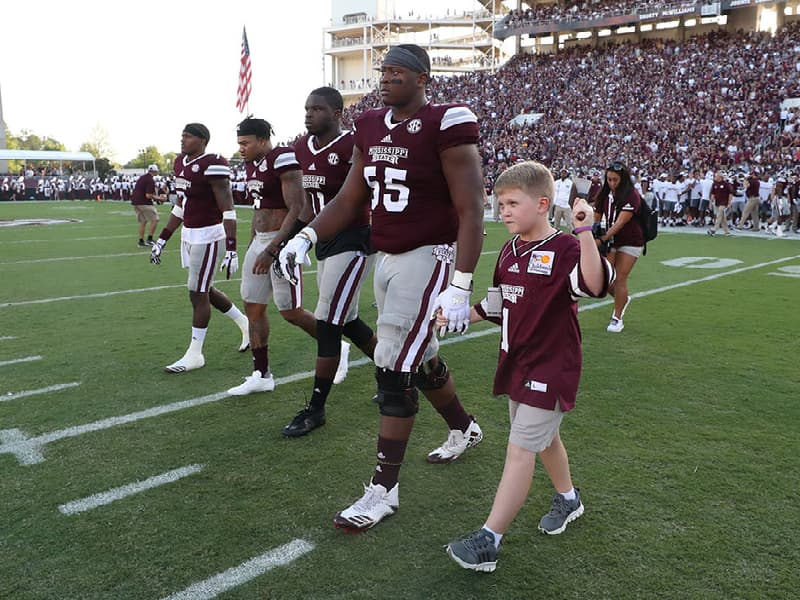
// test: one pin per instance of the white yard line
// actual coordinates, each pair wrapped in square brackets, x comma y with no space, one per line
[45,390]
[29,261]
[3,338]
[236,576]
[28,451]
[83,239]
[118,493]
[14,361]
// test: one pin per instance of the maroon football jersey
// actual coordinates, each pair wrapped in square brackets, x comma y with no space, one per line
[540,344]
[631,233]
[264,177]
[193,184]
[411,204]
[324,172]
[144,185]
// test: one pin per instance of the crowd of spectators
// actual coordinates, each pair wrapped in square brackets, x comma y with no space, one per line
[586,10]
[710,102]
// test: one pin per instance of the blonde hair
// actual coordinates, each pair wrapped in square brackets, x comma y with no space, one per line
[531,177]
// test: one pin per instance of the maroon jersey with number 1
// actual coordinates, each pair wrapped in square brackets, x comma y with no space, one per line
[540,346]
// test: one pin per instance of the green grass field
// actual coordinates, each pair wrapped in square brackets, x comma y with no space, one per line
[684,441]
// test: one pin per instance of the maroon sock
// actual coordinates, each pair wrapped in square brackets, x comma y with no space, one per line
[390,459]
[455,415]
[261,360]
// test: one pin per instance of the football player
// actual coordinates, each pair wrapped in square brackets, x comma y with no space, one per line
[343,262]
[205,207]
[275,188]
[418,164]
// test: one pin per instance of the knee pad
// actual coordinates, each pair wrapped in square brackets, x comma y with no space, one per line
[329,340]
[397,396]
[430,377]
[358,332]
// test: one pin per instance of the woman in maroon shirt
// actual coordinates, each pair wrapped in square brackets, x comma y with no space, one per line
[619,203]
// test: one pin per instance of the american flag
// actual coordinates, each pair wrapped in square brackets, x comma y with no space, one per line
[243,93]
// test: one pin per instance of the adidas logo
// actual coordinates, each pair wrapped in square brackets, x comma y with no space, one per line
[381,456]
[513,268]
[387,140]
[313,167]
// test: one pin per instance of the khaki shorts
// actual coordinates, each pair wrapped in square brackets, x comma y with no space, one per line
[201,260]
[339,279]
[405,287]
[145,213]
[533,428]
[258,289]
[635,251]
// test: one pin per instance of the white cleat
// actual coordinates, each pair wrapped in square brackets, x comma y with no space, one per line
[375,505]
[188,362]
[245,345]
[456,444]
[615,326]
[341,370]
[253,384]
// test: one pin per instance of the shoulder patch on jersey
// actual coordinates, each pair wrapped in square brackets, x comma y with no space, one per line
[457,115]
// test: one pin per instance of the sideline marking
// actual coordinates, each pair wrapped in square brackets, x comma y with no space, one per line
[7,337]
[28,451]
[29,261]
[83,239]
[44,390]
[4,363]
[118,493]
[233,577]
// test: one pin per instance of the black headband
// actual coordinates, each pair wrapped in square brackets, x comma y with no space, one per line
[401,57]
[198,130]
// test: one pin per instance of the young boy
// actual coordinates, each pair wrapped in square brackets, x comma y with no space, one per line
[541,272]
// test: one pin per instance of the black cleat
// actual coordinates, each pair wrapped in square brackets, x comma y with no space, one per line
[142,244]
[305,422]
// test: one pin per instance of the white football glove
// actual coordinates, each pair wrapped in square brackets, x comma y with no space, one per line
[155,251]
[293,254]
[230,264]
[454,302]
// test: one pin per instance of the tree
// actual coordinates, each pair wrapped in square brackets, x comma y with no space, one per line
[98,143]
[151,156]
[28,140]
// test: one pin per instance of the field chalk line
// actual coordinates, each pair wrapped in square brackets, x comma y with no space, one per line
[14,361]
[256,566]
[118,493]
[28,450]
[45,390]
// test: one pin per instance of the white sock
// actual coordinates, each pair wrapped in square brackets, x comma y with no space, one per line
[236,315]
[198,337]
[497,536]
[570,495]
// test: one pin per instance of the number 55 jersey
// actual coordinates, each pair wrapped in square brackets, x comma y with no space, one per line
[411,204]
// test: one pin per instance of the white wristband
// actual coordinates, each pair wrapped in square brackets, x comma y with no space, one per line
[178,211]
[462,280]
[309,233]
[229,215]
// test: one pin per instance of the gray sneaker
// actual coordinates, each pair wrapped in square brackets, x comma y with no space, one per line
[561,513]
[475,552]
